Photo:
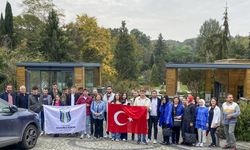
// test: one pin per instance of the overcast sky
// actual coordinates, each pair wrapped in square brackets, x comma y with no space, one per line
[175,19]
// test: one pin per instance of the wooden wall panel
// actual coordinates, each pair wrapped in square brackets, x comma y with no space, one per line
[79,77]
[171,81]
[20,76]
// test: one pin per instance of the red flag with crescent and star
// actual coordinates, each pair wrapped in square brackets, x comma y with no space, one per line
[127,119]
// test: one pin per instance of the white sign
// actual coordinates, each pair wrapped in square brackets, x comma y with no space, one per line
[64,119]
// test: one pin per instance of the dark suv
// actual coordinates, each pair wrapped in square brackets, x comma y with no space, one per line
[18,126]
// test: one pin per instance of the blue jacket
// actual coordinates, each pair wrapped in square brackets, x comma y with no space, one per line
[166,115]
[98,108]
[179,110]
[201,118]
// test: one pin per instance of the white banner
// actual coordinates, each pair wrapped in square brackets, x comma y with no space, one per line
[64,119]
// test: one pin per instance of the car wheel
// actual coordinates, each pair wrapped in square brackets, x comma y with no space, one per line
[30,136]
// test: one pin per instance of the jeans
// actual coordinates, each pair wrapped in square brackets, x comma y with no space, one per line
[124,136]
[87,129]
[98,128]
[40,121]
[201,136]
[141,138]
[176,135]
[153,120]
[116,136]
[213,135]
[229,132]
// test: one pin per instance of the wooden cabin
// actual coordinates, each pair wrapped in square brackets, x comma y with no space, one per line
[221,77]
[44,74]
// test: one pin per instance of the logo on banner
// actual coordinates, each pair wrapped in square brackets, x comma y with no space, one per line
[65,116]
[116,118]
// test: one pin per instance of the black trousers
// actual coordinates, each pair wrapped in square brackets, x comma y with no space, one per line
[106,119]
[165,138]
[176,135]
[98,128]
[92,124]
[124,136]
[42,120]
[152,122]
[213,136]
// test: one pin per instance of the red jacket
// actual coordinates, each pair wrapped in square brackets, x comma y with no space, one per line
[88,100]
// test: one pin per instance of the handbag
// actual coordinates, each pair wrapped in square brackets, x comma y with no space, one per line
[167,132]
[177,123]
[190,138]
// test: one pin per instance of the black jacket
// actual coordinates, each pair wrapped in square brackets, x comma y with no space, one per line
[68,102]
[190,113]
[22,100]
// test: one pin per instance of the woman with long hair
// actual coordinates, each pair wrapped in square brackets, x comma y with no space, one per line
[213,120]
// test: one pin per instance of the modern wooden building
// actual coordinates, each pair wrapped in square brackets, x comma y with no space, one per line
[221,77]
[44,74]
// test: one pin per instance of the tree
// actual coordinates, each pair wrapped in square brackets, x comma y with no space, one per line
[2,27]
[155,76]
[54,43]
[39,8]
[160,50]
[8,23]
[208,42]
[225,37]
[124,55]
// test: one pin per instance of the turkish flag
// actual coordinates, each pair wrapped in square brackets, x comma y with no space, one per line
[127,119]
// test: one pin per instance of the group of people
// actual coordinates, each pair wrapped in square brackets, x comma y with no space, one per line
[184,117]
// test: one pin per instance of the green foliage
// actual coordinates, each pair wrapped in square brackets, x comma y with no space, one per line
[155,76]
[124,55]
[208,42]
[2,27]
[7,32]
[160,51]
[54,43]
[242,129]
[125,86]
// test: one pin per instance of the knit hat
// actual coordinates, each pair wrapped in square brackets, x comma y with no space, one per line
[190,98]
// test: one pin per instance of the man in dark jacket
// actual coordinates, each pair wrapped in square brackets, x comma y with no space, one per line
[22,98]
[72,97]
[189,116]
[54,91]
[34,102]
[9,95]
[154,115]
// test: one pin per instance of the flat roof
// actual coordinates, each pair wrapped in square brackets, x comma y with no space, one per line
[57,64]
[207,66]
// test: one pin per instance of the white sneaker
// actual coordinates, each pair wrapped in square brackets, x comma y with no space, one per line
[197,145]
[88,136]
[148,140]
[81,137]
[201,144]
[105,136]
[117,140]
[42,132]
[124,139]
[154,142]
[112,139]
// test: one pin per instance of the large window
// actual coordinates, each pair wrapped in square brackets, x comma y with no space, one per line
[45,78]
[89,78]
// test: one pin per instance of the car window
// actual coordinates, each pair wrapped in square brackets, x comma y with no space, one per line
[4,108]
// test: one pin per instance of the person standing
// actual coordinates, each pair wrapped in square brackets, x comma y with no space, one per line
[22,98]
[135,94]
[97,108]
[54,90]
[117,100]
[214,118]
[189,116]
[107,98]
[178,110]
[64,96]
[201,122]
[142,100]
[9,95]
[166,120]
[86,99]
[72,97]
[45,99]
[124,101]
[34,103]
[154,116]
[94,94]
[231,111]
